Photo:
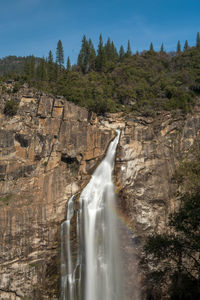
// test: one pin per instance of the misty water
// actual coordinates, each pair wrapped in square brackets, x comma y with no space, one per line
[90,256]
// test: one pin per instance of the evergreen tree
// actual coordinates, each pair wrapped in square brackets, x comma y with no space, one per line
[114,52]
[198,41]
[151,47]
[108,50]
[50,67]
[92,55]
[162,48]
[178,49]
[68,64]
[42,70]
[128,52]
[50,57]
[60,54]
[100,59]
[186,45]
[121,52]
[32,67]
[84,55]
[29,68]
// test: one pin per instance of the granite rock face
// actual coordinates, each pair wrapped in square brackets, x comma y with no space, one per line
[148,155]
[48,151]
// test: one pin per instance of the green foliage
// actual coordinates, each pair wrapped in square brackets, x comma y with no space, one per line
[121,52]
[87,56]
[198,41]
[144,83]
[186,46]
[128,52]
[151,47]
[11,107]
[162,48]
[174,257]
[5,199]
[101,57]
[178,48]
[69,67]
[60,54]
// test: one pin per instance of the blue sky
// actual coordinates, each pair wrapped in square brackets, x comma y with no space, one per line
[34,26]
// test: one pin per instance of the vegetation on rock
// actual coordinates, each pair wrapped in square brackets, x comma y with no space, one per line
[172,259]
[108,81]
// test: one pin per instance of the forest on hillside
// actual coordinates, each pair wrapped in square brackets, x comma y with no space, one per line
[107,80]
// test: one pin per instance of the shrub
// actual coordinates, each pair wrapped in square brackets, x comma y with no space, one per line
[11,107]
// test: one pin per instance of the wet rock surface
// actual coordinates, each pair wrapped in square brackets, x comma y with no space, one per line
[48,151]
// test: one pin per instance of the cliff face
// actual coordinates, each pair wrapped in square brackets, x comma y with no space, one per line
[48,152]
[149,153]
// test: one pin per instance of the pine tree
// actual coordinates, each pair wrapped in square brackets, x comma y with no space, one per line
[110,50]
[198,41]
[92,56]
[83,57]
[186,45]
[29,68]
[128,52]
[50,57]
[178,49]
[60,54]
[162,48]
[151,47]
[42,70]
[100,59]
[68,64]
[121,52]
[114,52]
[32,67]
[50,67]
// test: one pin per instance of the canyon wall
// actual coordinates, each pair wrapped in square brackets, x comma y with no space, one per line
[48,152]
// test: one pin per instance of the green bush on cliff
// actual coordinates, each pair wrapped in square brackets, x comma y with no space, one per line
[172,260]
[108,81]
[11,107]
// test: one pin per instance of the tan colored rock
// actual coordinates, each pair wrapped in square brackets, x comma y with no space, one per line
[45,106]
[57,112]
[42,163]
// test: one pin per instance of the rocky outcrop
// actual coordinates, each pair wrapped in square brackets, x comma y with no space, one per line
[47,152]
[148,155]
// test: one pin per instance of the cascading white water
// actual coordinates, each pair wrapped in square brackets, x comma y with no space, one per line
[94,273]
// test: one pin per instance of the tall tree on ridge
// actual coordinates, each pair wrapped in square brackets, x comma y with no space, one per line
[92,55]
[198,41]
[100,59]
[83,57]
[162,48]
[186,46]
[178,49]
[121,52]
[129,52]
[114,52]
[60,54]
[151,47]
[68,67]
[50,67]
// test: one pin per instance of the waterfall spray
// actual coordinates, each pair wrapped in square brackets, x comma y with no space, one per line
[95,272]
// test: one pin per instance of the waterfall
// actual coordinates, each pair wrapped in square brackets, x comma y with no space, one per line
[90,260]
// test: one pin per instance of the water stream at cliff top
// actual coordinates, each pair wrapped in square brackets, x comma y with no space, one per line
[90,260]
